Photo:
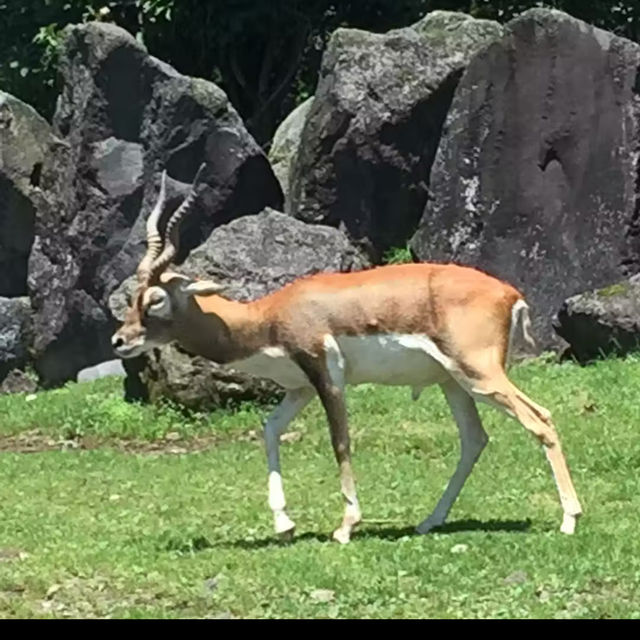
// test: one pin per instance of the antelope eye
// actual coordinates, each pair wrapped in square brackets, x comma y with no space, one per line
[157,304]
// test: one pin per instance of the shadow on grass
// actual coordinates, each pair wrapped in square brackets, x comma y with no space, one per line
[273,541]
[395,533]
[383,533]
[185,545]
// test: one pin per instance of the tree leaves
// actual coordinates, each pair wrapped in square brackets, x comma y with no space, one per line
[265,55]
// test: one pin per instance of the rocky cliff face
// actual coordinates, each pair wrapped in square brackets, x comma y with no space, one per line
[24,139]
[122,118]
[536,176]
[372,132]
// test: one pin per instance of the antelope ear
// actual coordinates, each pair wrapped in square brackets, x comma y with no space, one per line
[203,287]
[167,276]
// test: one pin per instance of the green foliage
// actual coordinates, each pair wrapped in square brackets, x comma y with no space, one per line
[32,32]
[397,255]
[103,533]
[617,289]
[97,410]
[266,55]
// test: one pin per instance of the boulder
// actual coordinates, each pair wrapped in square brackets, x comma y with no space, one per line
[24,139]
[372,131]
[193,382]
[124,116]
[15,334]
[19,381]
[602,322]
[105,369]
[285,145]
[536,177]
[253,256]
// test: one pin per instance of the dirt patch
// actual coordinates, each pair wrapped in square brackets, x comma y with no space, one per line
[36,442]
[172,443]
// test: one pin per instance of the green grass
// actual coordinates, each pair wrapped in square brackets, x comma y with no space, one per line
[102,532]
[97,410]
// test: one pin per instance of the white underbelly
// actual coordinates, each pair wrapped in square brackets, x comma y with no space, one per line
[274,364]
[391,359]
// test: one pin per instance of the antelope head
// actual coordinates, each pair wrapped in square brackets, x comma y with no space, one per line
[161,297]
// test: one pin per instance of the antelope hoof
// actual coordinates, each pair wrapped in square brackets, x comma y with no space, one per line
[342,535]
[427,525]
[568,524]
[286,536]
[285,527]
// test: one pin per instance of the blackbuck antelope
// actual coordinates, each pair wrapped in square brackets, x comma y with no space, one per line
[411,324]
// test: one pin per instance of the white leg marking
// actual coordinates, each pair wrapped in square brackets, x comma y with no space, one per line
[283,524]
[568,525]
[473,440]
[276,423]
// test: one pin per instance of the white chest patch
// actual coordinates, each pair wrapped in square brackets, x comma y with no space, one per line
[273,363]
[393,359]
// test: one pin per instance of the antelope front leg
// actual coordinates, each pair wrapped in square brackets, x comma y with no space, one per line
[276,423]
[325,370]
[330,386]
[333,401]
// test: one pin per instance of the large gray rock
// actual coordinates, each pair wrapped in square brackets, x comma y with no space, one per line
[24,139]
[15,334]
[103,370]
[536,177]
[603,322]
[285,145]
[19,381]
[253,256]
[122,118]
[169,373]
[372,132]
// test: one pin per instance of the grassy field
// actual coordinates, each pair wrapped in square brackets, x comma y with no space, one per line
[111,509]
